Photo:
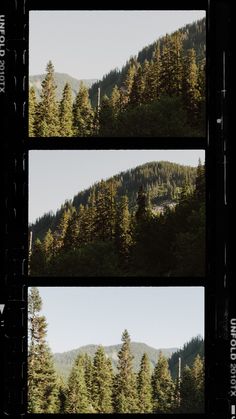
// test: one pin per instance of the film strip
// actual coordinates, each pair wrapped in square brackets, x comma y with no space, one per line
[220,317]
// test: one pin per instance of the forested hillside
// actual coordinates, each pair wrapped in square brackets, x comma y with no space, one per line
[94,387]
[187,354]
[160,96]
[64,361]
[193,35]
[110,236]
[162,180]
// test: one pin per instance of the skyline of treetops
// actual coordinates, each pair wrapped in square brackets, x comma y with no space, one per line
[94,387]
[162,95]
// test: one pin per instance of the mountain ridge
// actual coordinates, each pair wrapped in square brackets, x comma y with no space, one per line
[64,360]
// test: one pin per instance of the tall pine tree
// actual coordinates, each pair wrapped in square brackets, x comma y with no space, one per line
[102,382]
[126,398]
[83,113]
[77,397]
[144,386]
[163,387]
[43,388]
[48,124]
[32,112]
[66,114]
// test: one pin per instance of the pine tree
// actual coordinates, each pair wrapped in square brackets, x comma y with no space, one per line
[88,375]
[128,82]
[48,113]
[200,183]
[202,92]
[138,86]
[156,66]
[38,259]
[198,375]
[105,211]
[32,112]
[83,114]
[144,386]
[176,63]
[187,391]
[77,396]
[71,238]
[143,209]
[123,230]
[115,101]
[126,398]
[48,245]
[66,114]
[171,65]
[165,68]
[60,233]
[42,380]
[191,95]
[163,387]
[102,382]
[106,117]
[148,81]
[62,392]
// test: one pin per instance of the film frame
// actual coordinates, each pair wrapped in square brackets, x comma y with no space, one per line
[218,280]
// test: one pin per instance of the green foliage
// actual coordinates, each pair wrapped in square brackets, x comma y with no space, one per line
[192,388]
[163,387]
[48,124]
[66,114]
[145,386]
[163,118]
[126,397]
[43,389]
[32,112]
[187,354]
[77,400]
[102,384]
[83,114]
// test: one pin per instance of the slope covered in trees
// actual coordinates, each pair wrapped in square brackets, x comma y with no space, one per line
[163,181]
[109,237]
[194,36]
[162,96]
[94,387]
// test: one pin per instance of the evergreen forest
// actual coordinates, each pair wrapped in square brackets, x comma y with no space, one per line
[159,92]
[148,221]
[94,387]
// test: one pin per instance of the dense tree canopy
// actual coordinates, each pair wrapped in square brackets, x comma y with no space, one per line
[161,95]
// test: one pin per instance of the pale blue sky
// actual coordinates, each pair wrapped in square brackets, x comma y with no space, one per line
[88,44]
[162,317]
[57,175]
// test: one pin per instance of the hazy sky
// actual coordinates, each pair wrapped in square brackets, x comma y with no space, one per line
[56,175]
[161,317]
[88,44]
